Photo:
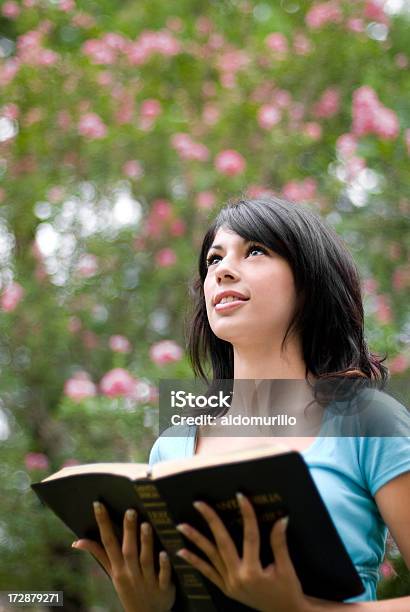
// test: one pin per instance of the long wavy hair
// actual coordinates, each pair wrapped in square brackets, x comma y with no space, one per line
[329,313]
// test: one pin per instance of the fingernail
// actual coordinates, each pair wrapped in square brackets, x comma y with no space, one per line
[181,553]
[198,505]
[284,523]
[97,507]
[145,528]
[74,544]
[182,527]
[239,497]
[163,556]
[130,514]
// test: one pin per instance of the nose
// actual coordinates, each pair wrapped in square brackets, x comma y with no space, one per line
[226,271]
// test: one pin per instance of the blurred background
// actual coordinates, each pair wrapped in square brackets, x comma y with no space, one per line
[124,127]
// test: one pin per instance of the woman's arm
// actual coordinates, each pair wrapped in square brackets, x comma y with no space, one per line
[393,501]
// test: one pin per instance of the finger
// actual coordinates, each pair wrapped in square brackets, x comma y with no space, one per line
[226,548]
[251,538]
[108,537]
[280,546]
[165,571]
[202,566]
[205,545]
[147,554]
[129,544]
[96,550]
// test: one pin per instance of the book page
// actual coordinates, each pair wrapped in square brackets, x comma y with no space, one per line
[131,470]
[173,466]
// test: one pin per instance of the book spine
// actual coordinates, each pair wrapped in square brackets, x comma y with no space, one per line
[190,579]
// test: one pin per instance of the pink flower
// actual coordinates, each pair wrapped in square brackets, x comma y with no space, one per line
[346,145]
[166,257]
[387,570]
[374,11]
[282,98]
[386,123]
[150,109]
[11,296]
[322,14]
[188,149]
[371,117]
[79,386]
[401,278]
[383,312]
[277,43]
[205,200]
[66,5]
[87,265]
[133,169]
[328,104]
[10,111]
[148,43]
[55,194]
[8,70]
[313,130]
[300,191]
[99,52]
[355,25]
[232,61]
[177,227]
[230,162]
[36,461]
[397,365]
[204,25]
[11,10]
[268,116]
[92,126]
[119,344]
[256,191]
[117,382]
[165,351]
[161,209]
[370,285]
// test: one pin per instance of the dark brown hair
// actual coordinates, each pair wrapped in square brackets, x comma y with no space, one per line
[329,315]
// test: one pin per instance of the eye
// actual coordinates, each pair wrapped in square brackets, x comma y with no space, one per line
[251,247]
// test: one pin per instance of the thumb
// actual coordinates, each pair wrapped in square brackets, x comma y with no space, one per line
[279,545]
[96,550]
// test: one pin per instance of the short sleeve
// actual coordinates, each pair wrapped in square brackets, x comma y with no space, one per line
[387,455]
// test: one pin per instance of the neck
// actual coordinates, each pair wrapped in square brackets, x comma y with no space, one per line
[266,361]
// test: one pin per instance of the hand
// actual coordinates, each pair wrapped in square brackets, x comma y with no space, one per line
[133,576]
[275,587]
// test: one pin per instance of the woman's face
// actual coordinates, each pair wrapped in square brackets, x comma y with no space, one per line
[259,274]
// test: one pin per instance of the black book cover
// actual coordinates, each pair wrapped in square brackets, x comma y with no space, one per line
[277,485]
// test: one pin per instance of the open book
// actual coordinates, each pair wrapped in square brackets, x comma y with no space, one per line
[276,480]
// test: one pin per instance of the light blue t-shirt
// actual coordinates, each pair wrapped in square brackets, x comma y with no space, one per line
[348,466]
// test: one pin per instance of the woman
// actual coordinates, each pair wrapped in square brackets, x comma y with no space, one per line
[300,316]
